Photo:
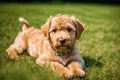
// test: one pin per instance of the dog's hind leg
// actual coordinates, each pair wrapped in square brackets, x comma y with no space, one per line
[20,43]
[18,46]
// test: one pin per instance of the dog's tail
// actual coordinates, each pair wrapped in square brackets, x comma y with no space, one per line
[25,23]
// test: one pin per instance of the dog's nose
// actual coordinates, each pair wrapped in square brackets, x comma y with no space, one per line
[62,41]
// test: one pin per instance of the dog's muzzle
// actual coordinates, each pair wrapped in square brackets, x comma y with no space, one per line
[63,53]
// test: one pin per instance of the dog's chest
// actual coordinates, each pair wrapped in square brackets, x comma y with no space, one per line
[64,60]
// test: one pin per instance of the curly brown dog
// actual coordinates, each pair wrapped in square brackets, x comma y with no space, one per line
[53,44]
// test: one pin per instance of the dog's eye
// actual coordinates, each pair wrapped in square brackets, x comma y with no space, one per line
[69,29]
[54,30]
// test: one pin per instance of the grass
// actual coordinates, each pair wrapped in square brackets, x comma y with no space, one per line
[99,44]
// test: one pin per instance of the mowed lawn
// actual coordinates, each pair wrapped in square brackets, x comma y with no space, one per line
[99,44]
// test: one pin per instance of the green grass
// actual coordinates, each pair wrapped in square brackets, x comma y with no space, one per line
[99,44]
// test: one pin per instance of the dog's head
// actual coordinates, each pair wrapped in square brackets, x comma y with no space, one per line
[62,31]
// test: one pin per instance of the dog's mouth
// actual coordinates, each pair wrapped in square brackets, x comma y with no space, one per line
[62,47]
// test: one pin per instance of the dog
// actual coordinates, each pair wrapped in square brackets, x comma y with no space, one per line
[53,45]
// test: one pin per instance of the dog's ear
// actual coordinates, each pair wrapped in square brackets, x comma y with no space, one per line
[45,28]
[79,26]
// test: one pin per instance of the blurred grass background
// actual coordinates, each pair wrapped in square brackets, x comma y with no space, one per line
[99,44]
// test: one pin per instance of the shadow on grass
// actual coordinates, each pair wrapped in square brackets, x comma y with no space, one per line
[89,62]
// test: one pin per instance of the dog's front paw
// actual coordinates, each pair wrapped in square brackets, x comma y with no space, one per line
[77,69]
[80,73]
[68,75]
